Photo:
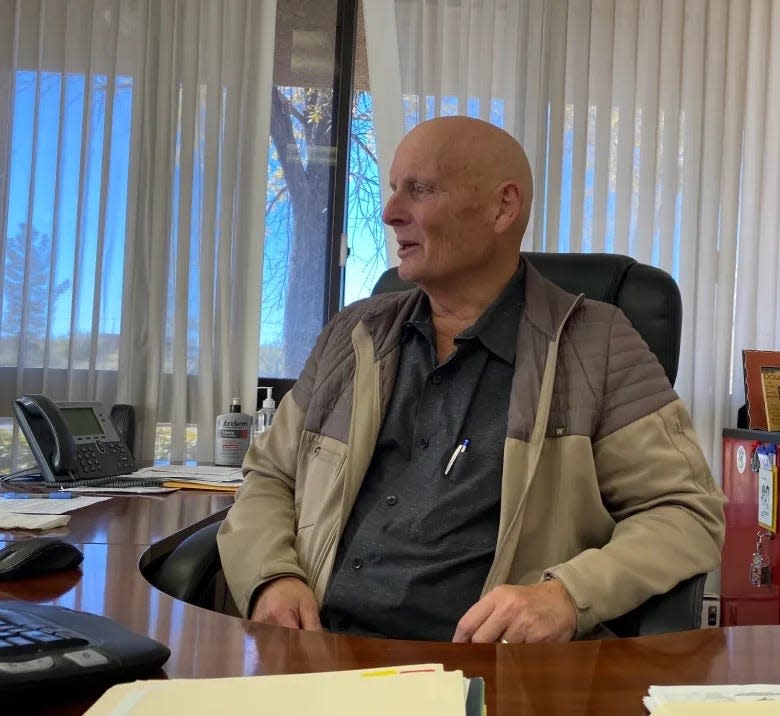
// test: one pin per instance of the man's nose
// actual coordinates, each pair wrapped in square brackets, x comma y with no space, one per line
[394,213]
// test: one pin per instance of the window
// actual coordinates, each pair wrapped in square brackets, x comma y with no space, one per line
[62,275]
[69,140]
[301,190]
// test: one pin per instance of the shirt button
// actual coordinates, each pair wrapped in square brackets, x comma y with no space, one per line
[357,563]
[436,379]
[391,500]
[423,443]
[341,624]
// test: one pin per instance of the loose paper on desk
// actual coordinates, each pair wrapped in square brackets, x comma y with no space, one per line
[45,506]
[707,700]
[420,690]
[721,708]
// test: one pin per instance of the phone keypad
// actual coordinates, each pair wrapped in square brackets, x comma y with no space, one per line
[89,460]
[105,458]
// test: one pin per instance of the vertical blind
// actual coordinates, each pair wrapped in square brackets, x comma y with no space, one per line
[652,130]
[133,163]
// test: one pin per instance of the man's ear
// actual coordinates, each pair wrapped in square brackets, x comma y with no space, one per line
[510,200]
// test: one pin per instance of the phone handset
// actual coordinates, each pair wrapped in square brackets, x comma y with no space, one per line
[63,449]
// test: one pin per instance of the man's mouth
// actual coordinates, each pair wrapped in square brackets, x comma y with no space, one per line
[405,247]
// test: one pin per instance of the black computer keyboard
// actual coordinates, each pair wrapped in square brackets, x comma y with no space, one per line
[21,634]
[42,646]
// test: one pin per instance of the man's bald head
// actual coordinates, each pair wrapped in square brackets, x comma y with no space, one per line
[460,202]
[478,153]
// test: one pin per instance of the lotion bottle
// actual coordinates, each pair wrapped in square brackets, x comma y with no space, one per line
[233,436]
[265,416]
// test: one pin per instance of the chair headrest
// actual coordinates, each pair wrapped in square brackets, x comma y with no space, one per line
[647,295]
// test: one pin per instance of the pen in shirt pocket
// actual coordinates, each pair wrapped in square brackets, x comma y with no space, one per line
[456,453]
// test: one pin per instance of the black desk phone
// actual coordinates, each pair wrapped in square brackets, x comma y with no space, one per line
[73,440]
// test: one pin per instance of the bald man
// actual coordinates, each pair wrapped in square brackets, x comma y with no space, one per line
[484,458]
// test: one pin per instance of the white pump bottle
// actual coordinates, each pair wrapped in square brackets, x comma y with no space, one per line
[264,417]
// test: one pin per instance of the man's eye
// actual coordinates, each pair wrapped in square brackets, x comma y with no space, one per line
[419,189]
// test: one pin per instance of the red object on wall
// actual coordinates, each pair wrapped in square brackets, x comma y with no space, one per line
[741,602]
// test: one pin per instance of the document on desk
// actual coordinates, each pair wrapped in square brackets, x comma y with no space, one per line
[44,506]
[415,690]
[203,477]
[715,700]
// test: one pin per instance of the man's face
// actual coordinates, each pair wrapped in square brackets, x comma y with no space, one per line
[440,213]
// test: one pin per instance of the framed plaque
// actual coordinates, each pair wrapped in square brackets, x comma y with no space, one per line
[753,362]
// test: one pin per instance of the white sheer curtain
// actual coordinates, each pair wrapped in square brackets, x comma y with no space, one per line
[133,164]
[652,129]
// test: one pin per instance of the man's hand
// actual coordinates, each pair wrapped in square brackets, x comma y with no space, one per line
[288,602]
[538,612]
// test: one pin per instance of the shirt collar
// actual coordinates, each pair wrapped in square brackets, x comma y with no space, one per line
[496,328]
[419,320]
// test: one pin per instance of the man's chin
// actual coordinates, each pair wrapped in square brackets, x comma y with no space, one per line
[407,272]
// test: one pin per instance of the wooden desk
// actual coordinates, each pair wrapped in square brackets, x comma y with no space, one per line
[604,678]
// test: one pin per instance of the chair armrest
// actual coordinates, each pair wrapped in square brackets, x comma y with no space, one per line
[189,573]
[679,609]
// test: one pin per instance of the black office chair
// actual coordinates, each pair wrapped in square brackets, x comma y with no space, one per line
[650,299]
[647,295]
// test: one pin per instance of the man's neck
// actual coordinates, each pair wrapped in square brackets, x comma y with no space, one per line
[456,307]
[465,301]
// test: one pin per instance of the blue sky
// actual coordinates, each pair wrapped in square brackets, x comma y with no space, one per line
[32,194]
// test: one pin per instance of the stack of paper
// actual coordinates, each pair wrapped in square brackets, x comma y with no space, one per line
[15,521]
[724,700]
[424,689]
[196,477]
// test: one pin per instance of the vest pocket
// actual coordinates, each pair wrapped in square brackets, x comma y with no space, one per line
[319,490]
[321,468]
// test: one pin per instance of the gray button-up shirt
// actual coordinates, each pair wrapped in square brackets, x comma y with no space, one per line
[419,543]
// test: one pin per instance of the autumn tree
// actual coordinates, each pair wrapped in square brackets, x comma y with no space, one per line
[298,203]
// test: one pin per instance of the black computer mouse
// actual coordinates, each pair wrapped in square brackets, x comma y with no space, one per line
[36,556]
